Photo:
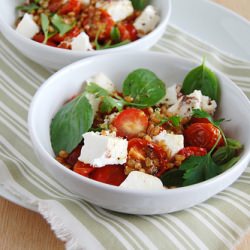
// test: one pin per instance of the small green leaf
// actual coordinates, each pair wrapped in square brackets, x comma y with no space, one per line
[203,79]
[95,89]
[198,169]
[45,27]
[115,34]
[108,103]
[198,113]
[140,4]
[28,8]
[144,87]
[173,178]
[229,164]
[69,123]
[60,25]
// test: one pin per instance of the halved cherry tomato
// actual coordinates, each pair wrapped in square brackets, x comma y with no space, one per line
[40,38]
[141,149]
[54,5]
[202,135]
[110,174]
[192,151]
[98,21]
[130,122]
[127,31]
[57,38]
[83,169]
[70,6]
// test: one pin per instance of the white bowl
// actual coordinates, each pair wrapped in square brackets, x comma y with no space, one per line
[68,81]
[56,58]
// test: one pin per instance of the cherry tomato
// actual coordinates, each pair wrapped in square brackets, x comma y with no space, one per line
[98,21]
[54,5]
[195,151]
[83,169]
[70,6]
[110,174]
[202,135]
[40,38]
[141,149]
[199,120]
[128,32]
[130,122]
[57,38]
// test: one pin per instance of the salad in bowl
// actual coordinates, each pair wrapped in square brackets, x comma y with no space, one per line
[146,136]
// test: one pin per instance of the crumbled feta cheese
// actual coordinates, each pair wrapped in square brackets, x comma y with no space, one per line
[147,21]
[117,9]
[103,81]
[137,180]
[81,42]
[100,150]
[86,2]
[174,143]
[27,26]
[171,95]
[185,104]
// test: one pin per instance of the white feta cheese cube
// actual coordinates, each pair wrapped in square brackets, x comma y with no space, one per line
[174,143]
[117,9]
[103,81]
[171,95]
[137,180]
[27,26]
[147,21]
[101,150]
[81,42]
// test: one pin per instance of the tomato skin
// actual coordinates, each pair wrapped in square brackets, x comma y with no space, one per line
[57,38]
[73,156]
[83,169]
[199,120]
[127,31]
[70,6]
[203,135]
[54,5]
[40,38]
[130,122]
[110,174]
[192,151]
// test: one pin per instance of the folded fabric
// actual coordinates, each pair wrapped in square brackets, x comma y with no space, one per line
[215,224]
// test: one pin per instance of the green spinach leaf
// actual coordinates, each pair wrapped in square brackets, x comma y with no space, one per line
[144,87]
[70,122]
[60,25]
[173,178]
[45,27]
[108,103]
[140,4]
[203,79]
[28,7]
[95,89]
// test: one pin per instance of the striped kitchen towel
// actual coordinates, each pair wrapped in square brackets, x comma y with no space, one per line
[215,224]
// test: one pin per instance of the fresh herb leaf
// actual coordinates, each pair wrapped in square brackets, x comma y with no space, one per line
[60,25]
[108,103]
[175,121]
[37,1]
[115,34]
[140,4]
[203,79]
[173,178]
[111,46]
[95,89]
[28,7]
[229,164]
[45,27]
[70,122]
[232,143]
[144,87]
[198,169]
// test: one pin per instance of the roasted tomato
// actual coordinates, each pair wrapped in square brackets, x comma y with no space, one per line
[110,174]
[98,21]
[192,151]
[57,38]
[54,5]
[130,122]
[150,156]
[71,6]
[40,38]
[127,31]
[83,169]
[73,156]
[203,135]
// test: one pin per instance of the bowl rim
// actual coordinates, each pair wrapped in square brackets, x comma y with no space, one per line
[245,156]
[65,52]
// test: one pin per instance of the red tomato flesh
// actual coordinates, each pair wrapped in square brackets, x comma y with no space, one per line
[192,151]
[130,122]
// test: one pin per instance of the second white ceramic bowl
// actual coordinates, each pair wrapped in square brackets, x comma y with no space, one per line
[56,58]
[234,106]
